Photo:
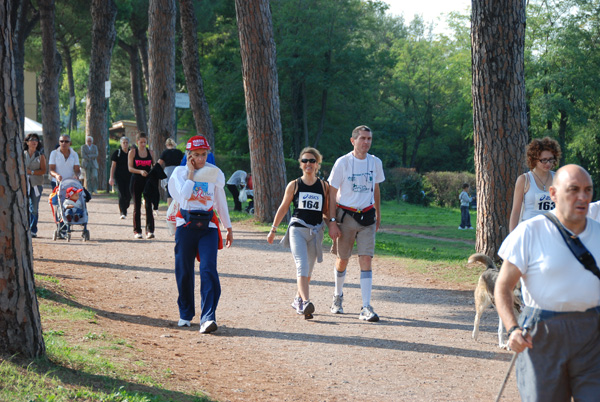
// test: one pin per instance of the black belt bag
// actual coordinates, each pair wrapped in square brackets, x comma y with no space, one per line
[364,218]
[198,220]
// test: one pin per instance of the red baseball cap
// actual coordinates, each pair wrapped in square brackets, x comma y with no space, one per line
[197,142]
[73,190]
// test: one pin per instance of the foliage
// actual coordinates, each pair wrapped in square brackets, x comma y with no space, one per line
[404,184]
[444,187]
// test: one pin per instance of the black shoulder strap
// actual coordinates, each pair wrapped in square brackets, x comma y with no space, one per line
[296,185]
[576,246]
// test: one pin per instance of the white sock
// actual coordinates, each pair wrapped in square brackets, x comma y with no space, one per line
[366,284]
[340,277]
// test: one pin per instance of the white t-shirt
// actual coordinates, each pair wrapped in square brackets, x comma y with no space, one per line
[552,278]
[202,193]
[355,180]
[536,200]
[594,211]
[64,167]
[238,178]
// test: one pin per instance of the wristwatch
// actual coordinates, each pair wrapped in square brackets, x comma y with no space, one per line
[332,220]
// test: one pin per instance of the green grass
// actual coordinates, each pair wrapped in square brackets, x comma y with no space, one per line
[82,368]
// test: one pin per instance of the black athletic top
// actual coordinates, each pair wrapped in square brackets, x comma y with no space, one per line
[172,157]
[121,169]
[309,202]
[142,163]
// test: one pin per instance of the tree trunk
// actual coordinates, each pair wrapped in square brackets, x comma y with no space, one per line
[69,64]
[137,94]
[191,69]
[562,135]
[259,72]
[49,79]
[20,325]
[104,13]
[142,45]
[161,57]
[22,29]
[499,114]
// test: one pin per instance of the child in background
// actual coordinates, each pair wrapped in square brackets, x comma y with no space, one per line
[465,201]
[73,204]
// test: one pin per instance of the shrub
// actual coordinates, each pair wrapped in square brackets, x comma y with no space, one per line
[404,184]
[443,188]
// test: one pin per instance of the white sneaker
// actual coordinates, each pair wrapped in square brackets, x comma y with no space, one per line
[149,235]
[123,216]
[368,314]
[208,326]
[459,228]
[336,307]
[183,323]
[471,227]
[138,236]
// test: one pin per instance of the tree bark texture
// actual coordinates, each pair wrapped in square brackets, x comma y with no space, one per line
[161,66]
[69,65]
[137,92]
[23,26]
[104,13]
[20,325]
[499,114]
[49,79]
[259,72]
[191,68]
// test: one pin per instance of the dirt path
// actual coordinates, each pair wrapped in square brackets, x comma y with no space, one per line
[420,350]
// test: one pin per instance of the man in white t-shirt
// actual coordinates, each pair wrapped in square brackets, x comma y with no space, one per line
[354,202]
[64,162]
[559,357]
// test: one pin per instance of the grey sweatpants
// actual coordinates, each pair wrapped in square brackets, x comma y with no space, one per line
[304,249]
[564,361]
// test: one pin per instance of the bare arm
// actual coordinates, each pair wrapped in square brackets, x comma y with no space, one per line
[518,196]
[130,158]
[282,210]
[503,292]
[54,174]
[42,170]
[113,167]
[334,230]
[377,196]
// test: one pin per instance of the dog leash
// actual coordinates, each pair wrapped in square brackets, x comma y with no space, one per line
[512,363]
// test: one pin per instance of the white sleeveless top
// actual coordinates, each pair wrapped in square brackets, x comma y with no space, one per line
[535,201]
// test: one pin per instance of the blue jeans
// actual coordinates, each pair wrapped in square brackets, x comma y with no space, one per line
[465,217]
[206,242]
[34,203]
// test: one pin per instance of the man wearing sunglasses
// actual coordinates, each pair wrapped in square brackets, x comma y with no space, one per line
[64,162]
[354,208]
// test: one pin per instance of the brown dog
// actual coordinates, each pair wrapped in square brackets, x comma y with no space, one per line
[484,296]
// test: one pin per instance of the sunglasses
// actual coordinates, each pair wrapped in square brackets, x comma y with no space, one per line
[308,161]
[63,141]
[33,139]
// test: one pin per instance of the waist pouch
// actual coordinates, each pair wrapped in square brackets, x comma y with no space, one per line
[198,220]
[366,218]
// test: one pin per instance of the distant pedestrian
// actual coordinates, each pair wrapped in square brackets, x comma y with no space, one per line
[120,174]
[532,189]
[236,182]
[140,163]
[169,160]
[304,235]
[198,187]
[354,202]
[89,156]
[465,202]
[35,165]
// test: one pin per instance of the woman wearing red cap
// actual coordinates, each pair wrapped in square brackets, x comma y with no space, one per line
[198,188]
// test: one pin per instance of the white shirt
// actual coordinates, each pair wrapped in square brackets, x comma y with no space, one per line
[552,278]
[64,167]
[536,201]
[202,193]
[355,180]
[594,211]
[238,178]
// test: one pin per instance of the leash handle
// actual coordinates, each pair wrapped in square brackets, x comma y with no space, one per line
[512,363]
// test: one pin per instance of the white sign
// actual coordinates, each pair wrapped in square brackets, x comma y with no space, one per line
[182,100]
[107,89]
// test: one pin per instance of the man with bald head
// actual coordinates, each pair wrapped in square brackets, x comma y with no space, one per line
[559,357]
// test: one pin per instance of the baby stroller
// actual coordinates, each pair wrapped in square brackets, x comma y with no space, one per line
[56,200]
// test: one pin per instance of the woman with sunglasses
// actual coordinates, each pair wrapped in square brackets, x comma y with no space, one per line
[532,189]
[305,230]
[35,165]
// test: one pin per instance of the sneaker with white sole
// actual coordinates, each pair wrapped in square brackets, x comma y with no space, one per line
[297,303]
[461,228]
[368,314]
[149,235]
[183,323]
[208,326]
[138,236]
[123,216]
[336,307]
